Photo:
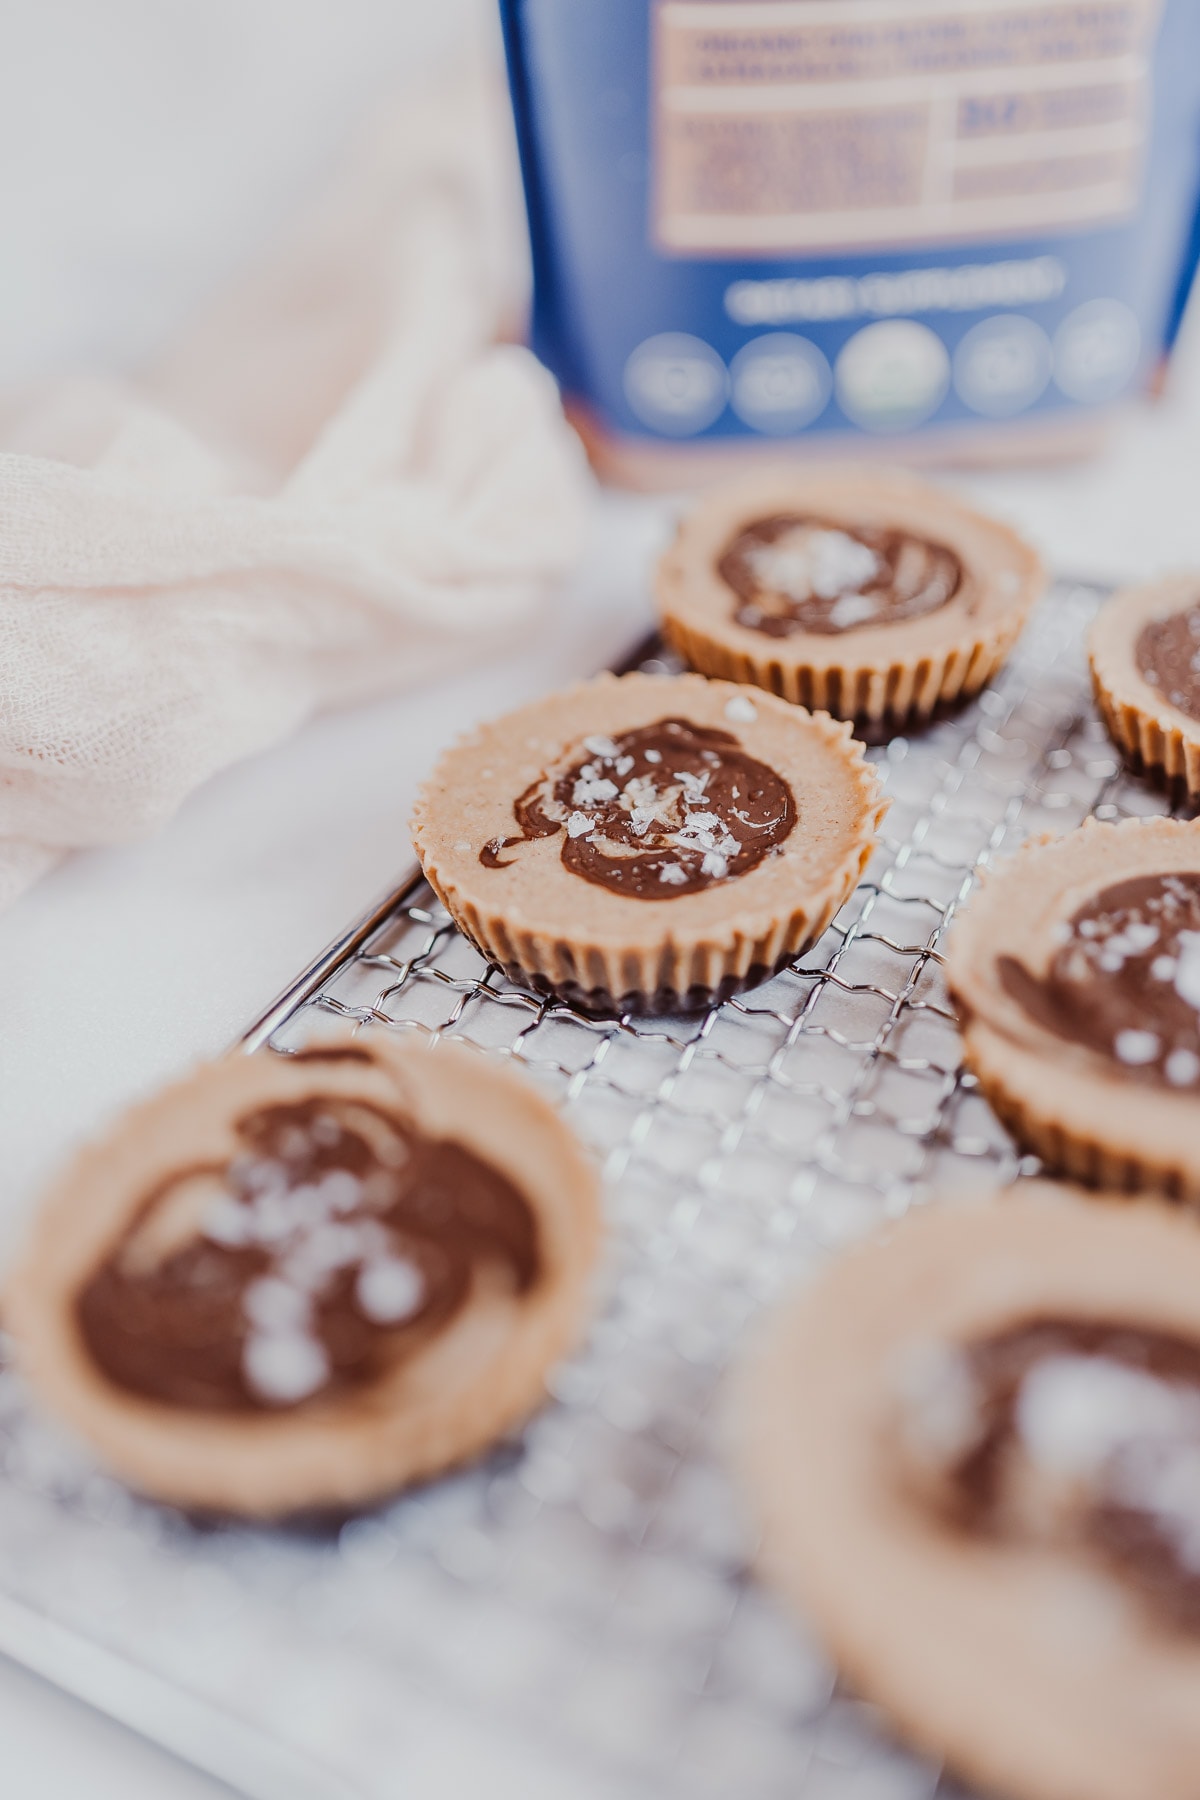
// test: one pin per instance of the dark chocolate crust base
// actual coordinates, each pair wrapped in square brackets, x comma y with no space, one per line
[308,1463]
[874,733]
[1159,738]
[598,1003]
[670,944]
[1175,784]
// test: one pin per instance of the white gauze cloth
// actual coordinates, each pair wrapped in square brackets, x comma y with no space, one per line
[340,483]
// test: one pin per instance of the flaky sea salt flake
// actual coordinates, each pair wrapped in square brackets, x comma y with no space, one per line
[284,1367]
[228,1222]
[1074,1411]
[850,610]
[340,1190]
[1136,1048]
[1187,975]
[388,1289]
[593,790]
[274,1305]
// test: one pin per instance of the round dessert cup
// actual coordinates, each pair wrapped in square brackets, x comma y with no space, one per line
[888,677]
[608,952]
[478,1377]
[1160,739]
[1027,1667]
[1074,1107]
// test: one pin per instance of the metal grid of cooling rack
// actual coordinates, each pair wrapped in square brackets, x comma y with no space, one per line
[573,1616]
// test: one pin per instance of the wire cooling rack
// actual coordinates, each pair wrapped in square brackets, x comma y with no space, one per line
[573,1616]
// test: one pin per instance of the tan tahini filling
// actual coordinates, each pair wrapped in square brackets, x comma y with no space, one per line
[1069,1104]
[475,1379]
[890,675]
[1031,1671]
[539,920]
[1154,734]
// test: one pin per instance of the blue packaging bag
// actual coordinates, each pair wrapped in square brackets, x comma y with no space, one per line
[958,227]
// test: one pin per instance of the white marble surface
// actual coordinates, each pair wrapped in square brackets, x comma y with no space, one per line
[158,143]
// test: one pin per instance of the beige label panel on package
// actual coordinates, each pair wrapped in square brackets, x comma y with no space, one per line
[805,125]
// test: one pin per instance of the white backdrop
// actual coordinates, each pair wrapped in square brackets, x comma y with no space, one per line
[149,145]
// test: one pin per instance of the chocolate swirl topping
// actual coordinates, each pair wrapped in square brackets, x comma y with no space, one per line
[667,809]
[335,1246]
[1074,1433]
[1168,658]
[795,573]
[1125,979]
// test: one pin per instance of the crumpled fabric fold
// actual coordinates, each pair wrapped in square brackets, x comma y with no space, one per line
[338,484]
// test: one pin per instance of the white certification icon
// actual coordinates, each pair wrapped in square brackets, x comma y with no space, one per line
[1096,351]
[676,383]
[892,376]
[780,383]
[1003,365]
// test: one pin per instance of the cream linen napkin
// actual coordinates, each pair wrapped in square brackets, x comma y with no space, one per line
[339,484]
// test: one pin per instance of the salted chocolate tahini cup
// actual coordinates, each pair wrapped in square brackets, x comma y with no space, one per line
[1076,971]
[298,1282]
[647,843]
[866,592]
[973,1448]
[1144,649]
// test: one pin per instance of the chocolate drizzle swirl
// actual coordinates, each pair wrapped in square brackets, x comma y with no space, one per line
[667,809]
[1080,1434]
[793,573]
[336,1245]
[1125,980]
[1168,658]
